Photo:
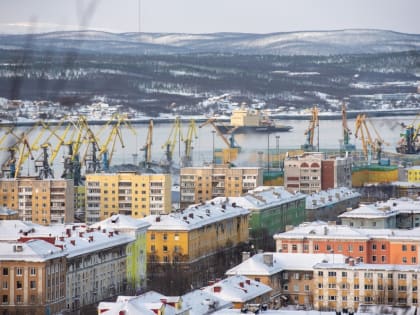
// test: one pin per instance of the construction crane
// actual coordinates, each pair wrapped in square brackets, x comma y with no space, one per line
[346,145]
[147,148]
[175,136]
[191,133]
[369,144]
[310,132]
[231,152]
[42,166]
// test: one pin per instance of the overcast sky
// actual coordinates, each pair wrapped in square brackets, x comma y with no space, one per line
[208,16]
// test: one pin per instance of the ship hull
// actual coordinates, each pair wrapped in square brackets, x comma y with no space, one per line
[254,129]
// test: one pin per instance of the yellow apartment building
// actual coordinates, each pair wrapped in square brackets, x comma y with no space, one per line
[413,174]
[42,201]
[199,184]
[192,240]
[129,193]
[33,278]
[344,286]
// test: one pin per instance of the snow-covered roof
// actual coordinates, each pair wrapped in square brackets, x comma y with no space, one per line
[263,265]
[386,309]
[237,289]
[200,302]
[402,205]
[122,222]
[195,216]
[110,308]
[370,267]
[276,312]
[330,197]
[7,211]
[319,230]
[33,250]
[75,239]
[262,197]
[369,212]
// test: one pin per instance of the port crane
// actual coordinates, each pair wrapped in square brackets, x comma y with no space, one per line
[346,145]
[369,144]
[191,133]
[147,148]
[409,142]
[310,131]
[231,152]
[174,136]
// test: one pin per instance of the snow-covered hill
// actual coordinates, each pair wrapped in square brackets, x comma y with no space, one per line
[294,43]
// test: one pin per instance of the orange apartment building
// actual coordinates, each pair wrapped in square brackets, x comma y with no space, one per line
[32,278]
[372,246]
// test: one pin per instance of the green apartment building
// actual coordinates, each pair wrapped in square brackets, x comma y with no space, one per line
[272,209]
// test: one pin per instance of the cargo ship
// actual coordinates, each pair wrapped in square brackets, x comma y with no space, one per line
[245,120]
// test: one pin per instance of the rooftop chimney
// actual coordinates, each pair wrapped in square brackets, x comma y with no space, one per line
[73,242]
[217,289]
[245,255]
[268,259]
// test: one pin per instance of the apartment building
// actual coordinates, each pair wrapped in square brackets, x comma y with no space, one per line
[372,246]
[370,216]
[272,209]
[95,265]
[32,277]
[198,184]
[129,193]
[42,201]
[289,275]
[135,251]
[327,205]
[313,172]
[344,286]
[196,241]
[413,174]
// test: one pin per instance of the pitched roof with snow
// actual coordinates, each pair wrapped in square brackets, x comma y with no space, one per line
[194,217]
[262,197]
[258,265]
[330,197]
[33,250]
[369,212]
[122,222]
[200,302]
[237,289]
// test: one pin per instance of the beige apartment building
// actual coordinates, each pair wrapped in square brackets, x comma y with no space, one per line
[313,172]
[42,201]
[199,184]
[129,193]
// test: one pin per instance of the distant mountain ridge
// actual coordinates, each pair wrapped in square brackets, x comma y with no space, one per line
[351,41]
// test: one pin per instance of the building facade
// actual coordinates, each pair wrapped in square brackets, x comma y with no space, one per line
[272,209]
[199,184]
[192,246]
[32,277]
[129,193]
[313,172]
[370,216]
[42,201]
[136,251]
[372,246]
[344,286]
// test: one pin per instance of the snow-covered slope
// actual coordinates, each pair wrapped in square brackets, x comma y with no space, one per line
[294,43]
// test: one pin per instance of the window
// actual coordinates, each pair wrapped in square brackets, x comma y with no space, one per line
[5,299]
[383,258]
[413,260]
[374,246]
[33,271]
[402,288]
[152,236]
[404,248]
[176,237]
[360,248]
[320,273]
[19,299]
[389,275]
[404,260]
[296,288]
[285,275]
[296,276]
[344,274]
[414,275]
[413,248]
[294,247]
[402,276]
[316,247]
[374,258]
[5,285]
[350,248]
[356,286]
[33,284]
[332,274]
[320,285]
[165,236]
[332,298]
[18,284]
[331,285]
[305,247]
[380,275]
[284,247]
[286,287]
[383,247]
[19,271]
[152,248]
[340,248]
[321,297]
[306,287]
[5,271]
[328,247]
[165,248]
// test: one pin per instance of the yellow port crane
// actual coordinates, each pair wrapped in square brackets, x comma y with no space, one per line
[191,133]
[107,149]
[368,143]
[147,148]
[310,131]
[174,136]
[346,146]
[231,152]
